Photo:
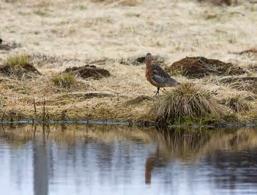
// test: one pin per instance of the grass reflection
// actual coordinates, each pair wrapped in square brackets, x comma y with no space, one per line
[184,145]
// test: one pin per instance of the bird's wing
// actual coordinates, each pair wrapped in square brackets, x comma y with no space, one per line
[158,79]
[161,77]
[157,70]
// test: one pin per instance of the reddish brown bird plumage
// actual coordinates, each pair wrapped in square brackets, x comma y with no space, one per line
[157,76]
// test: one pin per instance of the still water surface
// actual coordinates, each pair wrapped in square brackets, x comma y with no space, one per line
[78,160]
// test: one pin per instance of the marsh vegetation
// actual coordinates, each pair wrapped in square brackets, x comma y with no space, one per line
[90,64]
[64,80]
[187,103]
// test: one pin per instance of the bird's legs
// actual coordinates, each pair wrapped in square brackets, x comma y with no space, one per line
[157,92]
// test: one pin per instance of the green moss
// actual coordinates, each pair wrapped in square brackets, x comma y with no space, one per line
[18,60]
[64,80]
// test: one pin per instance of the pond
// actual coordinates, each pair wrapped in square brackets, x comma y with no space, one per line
[96,160]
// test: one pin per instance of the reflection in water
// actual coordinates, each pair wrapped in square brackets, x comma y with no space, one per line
[40,165]
[119,160]
[149,165]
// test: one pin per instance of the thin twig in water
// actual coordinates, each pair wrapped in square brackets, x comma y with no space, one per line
[35,111]
[44,112]
[2,118]
[34,130]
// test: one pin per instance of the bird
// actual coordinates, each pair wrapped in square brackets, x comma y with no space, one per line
[157,76]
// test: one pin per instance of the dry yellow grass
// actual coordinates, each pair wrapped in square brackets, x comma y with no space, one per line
[64,33]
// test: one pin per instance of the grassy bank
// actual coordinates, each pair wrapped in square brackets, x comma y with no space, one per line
[49,37]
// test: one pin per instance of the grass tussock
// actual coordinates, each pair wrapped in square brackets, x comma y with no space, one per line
[186,102]
[64,80]
[18,60]
[18,66]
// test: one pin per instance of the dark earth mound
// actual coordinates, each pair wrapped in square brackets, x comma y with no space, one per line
[8,46]
[198,67]
[219,2]
[26,71]
[89,71]
[248,51]
[138,60]
[242,83]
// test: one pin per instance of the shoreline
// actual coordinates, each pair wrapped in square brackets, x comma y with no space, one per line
[129,123]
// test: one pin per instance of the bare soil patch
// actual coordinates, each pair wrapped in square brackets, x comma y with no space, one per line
[25,71]
[7,46]
[139,60]
[198,67]
[89,71]
[219,2]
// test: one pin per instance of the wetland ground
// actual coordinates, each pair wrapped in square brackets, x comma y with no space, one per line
[115,35]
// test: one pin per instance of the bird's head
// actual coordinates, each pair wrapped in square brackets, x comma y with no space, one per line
[148,58]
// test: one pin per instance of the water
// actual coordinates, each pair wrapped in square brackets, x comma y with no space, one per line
[78,160]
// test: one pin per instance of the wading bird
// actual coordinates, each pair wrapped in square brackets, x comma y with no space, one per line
[157,76]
